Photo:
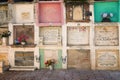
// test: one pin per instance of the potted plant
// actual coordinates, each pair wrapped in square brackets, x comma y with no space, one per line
[4,36]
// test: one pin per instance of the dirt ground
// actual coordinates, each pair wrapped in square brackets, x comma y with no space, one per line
[69,74]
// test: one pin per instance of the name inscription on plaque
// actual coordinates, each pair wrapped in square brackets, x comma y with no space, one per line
[106,35]
[107,58]
[78,35]
[50,35]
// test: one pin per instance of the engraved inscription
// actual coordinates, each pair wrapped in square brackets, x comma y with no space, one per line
[25,15]
[50,35]
[107,58]
[78,35]
[106,35]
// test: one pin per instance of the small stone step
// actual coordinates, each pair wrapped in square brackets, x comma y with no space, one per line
[22,68]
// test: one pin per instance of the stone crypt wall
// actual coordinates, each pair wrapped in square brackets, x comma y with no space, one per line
[72,34]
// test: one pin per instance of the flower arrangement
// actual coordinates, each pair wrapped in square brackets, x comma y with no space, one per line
[5,34]
[50,62]
[22,39]
[106,17]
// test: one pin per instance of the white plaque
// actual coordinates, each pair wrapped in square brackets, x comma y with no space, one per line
[78,35]
[24,13]
[77,13]
[106,35]
[50,35]
[107,58]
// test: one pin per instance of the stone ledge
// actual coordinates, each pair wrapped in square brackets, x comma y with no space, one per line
[21,46]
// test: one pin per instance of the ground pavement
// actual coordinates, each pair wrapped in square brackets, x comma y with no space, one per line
[69,74]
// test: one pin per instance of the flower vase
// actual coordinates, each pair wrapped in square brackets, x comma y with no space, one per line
[50,67]
[23,43]
[4,41]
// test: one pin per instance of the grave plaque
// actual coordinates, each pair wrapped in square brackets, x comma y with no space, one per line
[24,15]
[79,59]
[50,35]
[78,35]
[106,36]
[3,14]
[107,59]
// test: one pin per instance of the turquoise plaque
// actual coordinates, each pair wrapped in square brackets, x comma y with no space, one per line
[106,7]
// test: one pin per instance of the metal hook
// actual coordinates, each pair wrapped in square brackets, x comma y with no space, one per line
[64,59]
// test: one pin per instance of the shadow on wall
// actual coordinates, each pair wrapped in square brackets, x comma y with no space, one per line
[23,0]
[3,0]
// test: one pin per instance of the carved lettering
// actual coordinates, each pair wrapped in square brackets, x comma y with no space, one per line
[106,35]
[78,35]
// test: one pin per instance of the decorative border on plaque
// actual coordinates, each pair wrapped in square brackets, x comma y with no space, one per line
[106,36]
[50,35]
[107,59]
[78,35]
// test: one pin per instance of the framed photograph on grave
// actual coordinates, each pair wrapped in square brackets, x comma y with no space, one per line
[107,59]
[78,35]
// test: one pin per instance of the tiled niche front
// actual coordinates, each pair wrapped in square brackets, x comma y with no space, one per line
[24,31]
[106,35]
[107,8]
[107,59]
[50,35]
[78,58]
[77,12]
[24,58]
[47,54]
[23,13]
[50,13]
[3,14]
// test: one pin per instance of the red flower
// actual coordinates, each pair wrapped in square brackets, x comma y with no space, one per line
[22,38]
[49,62]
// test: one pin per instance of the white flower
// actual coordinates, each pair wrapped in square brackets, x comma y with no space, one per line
[104,15]
[111,14]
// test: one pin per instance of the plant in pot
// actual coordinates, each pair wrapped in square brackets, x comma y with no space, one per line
[4,36]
